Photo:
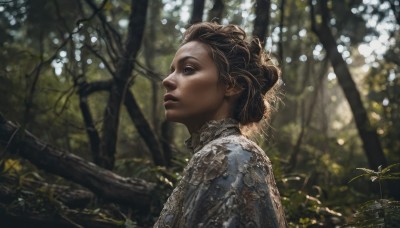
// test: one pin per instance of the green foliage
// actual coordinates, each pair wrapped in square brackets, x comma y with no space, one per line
[26,199]
[379,175]
[10,166]
[305,207]
[377,213]
[327,146]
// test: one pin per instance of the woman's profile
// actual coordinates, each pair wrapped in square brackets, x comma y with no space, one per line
[220,82]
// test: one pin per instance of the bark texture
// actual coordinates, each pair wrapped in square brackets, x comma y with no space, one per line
[121,83]
[135,113]
[144,129]
[106,184]
[11,186]
[93,135]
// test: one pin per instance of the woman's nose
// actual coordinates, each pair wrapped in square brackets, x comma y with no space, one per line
[169,83]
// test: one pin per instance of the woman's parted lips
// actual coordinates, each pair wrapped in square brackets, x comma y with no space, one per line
[169,97]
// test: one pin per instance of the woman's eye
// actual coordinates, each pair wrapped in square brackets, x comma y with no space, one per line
[188,70]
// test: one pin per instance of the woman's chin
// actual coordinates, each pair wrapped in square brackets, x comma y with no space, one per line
[171,116]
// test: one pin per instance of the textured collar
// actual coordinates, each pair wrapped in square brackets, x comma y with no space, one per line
[212,130]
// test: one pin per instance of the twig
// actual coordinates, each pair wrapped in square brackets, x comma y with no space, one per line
[148,72]
[5,2]
[93,14]
[107,27]
[11,138]
[108,67]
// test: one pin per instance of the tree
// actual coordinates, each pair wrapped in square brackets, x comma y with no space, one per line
[65,69]
[261,22]
[197,12]
[135,192]
[371,142]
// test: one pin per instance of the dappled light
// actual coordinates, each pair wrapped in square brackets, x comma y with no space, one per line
[83,137]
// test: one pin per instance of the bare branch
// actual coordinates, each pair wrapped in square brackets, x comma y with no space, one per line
[134,192]
[120,87]
[99,56]
[150,74]
[313,17]
[95,12]
[91,87]
[144,129]
[107,27]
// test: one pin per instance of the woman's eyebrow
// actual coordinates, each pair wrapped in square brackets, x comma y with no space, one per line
[183,59]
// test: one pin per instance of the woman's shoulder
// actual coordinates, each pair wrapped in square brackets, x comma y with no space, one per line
[234,146]
[230,152]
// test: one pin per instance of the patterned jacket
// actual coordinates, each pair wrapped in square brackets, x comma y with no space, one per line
[227,183]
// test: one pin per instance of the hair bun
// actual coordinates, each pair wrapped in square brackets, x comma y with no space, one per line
[271,75]
[255,46]
[268,73]
[240,62]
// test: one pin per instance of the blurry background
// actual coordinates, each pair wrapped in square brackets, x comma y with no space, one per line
[85,76]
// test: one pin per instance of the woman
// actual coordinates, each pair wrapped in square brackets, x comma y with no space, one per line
[218,83]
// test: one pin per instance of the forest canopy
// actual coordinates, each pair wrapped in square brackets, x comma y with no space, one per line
[83,137]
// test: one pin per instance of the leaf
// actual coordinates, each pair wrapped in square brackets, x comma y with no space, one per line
[387,169]
[373,178]
[390,178]
[129,224]
[369,171]
[364,174]
[96,211]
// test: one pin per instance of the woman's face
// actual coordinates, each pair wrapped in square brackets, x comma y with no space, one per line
[194,94]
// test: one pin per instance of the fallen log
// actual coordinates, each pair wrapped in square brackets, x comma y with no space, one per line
[27,201]
[134,192]
[73,197]
[72,219]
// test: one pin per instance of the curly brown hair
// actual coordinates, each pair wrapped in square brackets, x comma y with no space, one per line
[240,63]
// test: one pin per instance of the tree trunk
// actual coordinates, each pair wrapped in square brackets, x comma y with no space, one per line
[137,117]
[134,192]
[149,56]
[120,86]
[261,22]
[144,129]
[93,135]
[72,197]
[197,12]
[306,120]
[73,218]
[371,144]
[215,14]
[281,24]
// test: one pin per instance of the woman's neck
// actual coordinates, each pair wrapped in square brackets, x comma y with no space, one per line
[211,130]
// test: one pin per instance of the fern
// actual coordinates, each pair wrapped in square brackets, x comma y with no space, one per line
[379,175]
